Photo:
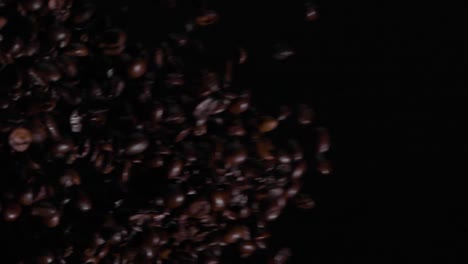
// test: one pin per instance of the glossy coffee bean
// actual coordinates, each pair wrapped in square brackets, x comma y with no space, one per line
[20,139]
[305,115]
[267,124]
[32,5]
[311,13]
[239,106]
[175,168]
[299,170]
[76,50]
[45,258]
[26,197]
[175,199]
[219,200]
[246,248]
[11,212]
[136,68]
[136,144]
[207,17]
[62,148]
[323,141]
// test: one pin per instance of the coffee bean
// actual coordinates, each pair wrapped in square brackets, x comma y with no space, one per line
[32,5]
[175,199]
[11,211]
[267,124]
[207,17]
[136,144]
[299,170]
[3,22]
[20,139]
[45,258]
[239,106]
[38,131]
[61,148]
[323,144]
[136,68]
[76,50]
[311,13]
[305,115]
[219,200]
[246,248]
[26,197]
[175,169]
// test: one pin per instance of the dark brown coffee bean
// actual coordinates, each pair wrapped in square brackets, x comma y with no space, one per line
[38,131]
[62,148]
[76,50]
[234,234]
[70,178]
[284,112]
[45,258]
[305,115]
[303,201]
[136,144]
[83,13]
[219,200]
[246,248]
[205,108]
[267,124]
[299,170]
[3,22]
[52,127]
[207,17]
[26,197]
[282,52]
[281,257]
[323,144]
[11,212]
[264,149]
[20,139]
[136,68]
[311,13]
[175,199]
[32,5]
[239,106]
[60,35]
[175,169]
[324,166]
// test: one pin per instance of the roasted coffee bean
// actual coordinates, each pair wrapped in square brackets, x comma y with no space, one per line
[175,198]
[26,197]
[267,124]
[11,211]
[175,169]
[62,148]
[76,50]
[70,178]
[20,139]
[323,144]
[219,200]
[45,258]
[305,115]
[136,144]
[239,106]
[136,68]
[246,248]
[299,170]
[311,12]
[32,5]
[207,17]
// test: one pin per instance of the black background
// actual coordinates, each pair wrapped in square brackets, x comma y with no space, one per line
[387,79]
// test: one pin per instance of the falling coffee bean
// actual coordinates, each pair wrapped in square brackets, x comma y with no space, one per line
[20,139]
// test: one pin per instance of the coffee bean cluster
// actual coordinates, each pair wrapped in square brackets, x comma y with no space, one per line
[116,152]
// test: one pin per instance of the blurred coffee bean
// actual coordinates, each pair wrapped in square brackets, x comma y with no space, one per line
[20,139]
[11,211]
